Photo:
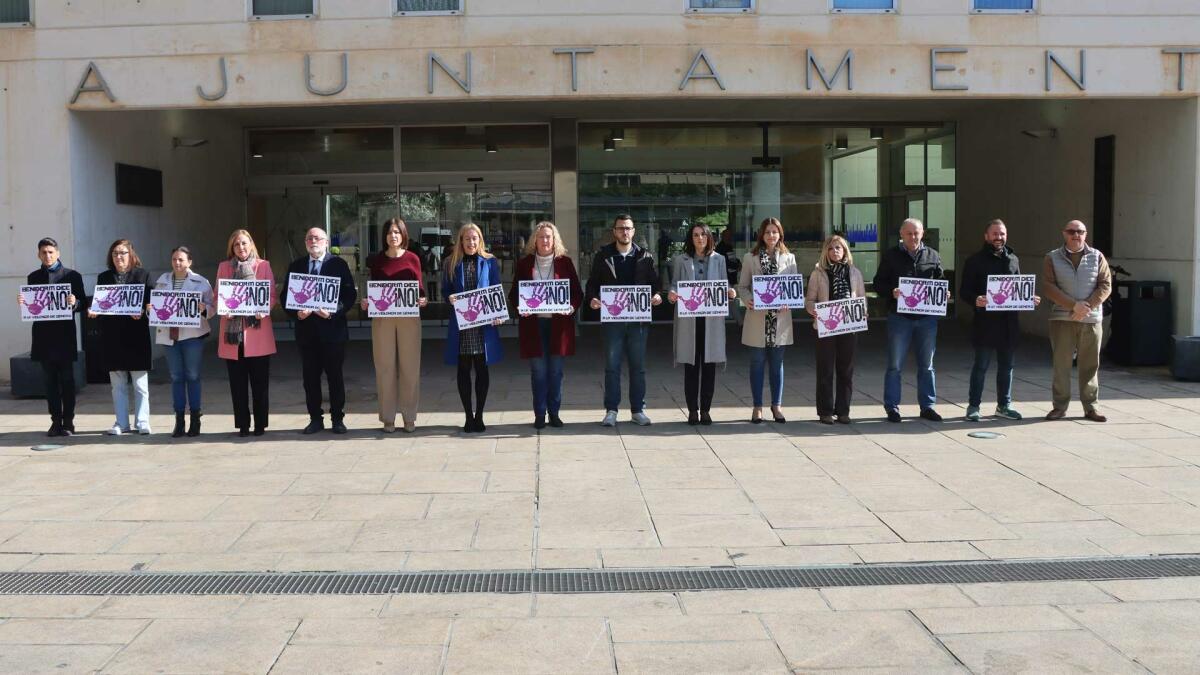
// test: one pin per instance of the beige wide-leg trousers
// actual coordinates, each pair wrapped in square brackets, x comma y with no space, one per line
[396,346]
[1068,339]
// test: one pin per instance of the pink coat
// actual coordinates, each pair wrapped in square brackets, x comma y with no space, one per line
[257,341]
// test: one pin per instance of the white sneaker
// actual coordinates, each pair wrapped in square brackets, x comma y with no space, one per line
[144,429]
[116,430]
[640,419]
[610,419]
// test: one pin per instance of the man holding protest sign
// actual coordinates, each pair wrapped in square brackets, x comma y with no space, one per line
[54,343]
[994,273]
[914,306]
[319,291]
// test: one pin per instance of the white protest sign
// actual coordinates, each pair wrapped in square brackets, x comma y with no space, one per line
[393,298]
[176,309]
[1010,292]
[313,292]
[838,317]
[776,291]
[46,302]
[544,296]
[118,300]
[480,307]
[929,297]
[702,298]
[624,304]
[243,297]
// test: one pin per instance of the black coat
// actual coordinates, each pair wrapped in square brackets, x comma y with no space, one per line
[55,341]
[645,272]
[990,330]
[124,340]
[314,329]
[895,262]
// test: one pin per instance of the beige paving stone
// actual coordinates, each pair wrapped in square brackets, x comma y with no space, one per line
[700,657]
[917,552]
[48,606]
[760,487]
[464,605]
[1152,519]
[714,530]
[682,478]
[1143,590]
[357,659]
[894,640]
[895,597]
[39,659]
[415,535]
[314,462]
[567,537]
[339,483]
[512,481]
[708,628]
[606,604]
[427,482]
[567,558]
[1162,636]
[1082,529]
[205,645]
[500,461]
[481,505]
[272,508]
[214,562]
[953,621]
[820,512]
[69,631]
[1114,490]
[11,562]
[305,606]
[556,645]
[665,557]
[373,507]
[504,533]
[781,601]
[822,536]
[470,560]
[344,561]
[402,463]
[68,537]
[297,536]
[198,483]
[916,526]
[1036,593]
[377,632]
[1059,651]
[683,458]
[1038,548]
[62,507]
[182,537]
[793,555]
[703,501]
[905,498]
[798,466]
[1167,544]
[168,606]
[164,508]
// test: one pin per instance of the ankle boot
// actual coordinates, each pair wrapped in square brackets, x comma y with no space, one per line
[194,427]
[178,432]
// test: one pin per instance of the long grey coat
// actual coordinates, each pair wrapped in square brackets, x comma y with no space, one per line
[714,326]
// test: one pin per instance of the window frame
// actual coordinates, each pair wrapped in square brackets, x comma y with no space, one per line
[462,9]
[1032,10]
[688,9]
[22,24]
[834,9]
[251,16]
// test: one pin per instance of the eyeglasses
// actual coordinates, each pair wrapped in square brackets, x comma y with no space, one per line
[1075,233]
[625,228]
[314,238]
[120,252]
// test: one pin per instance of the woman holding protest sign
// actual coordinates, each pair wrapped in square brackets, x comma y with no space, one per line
[766,331]
[699,340]
[834,278]
[247,340]
[546,337]
[125,335]
[470,267]
[396,340]
[185,345]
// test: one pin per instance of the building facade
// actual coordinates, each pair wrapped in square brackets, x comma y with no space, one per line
[834,115]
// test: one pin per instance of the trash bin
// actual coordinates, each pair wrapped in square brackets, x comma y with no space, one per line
[1185,362]
[1141,323]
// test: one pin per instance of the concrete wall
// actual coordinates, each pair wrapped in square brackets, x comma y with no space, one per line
[1037,185]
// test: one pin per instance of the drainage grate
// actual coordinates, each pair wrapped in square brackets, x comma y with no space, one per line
[587,581]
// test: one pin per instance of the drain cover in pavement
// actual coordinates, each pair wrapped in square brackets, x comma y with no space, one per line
[46,446]
[985,434]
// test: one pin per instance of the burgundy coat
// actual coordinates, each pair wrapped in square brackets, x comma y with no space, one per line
[562,328]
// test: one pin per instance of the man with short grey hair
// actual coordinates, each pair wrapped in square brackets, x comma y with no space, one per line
[1077,281]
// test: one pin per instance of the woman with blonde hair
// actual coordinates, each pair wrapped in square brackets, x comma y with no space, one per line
[546,338]
[125,341]
[468,267]
[766,331]
[247,342]
[834,278]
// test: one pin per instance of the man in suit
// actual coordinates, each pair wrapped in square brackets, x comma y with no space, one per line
[54,342]
[322,335]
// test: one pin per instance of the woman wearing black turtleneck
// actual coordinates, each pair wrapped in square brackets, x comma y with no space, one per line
[835,278]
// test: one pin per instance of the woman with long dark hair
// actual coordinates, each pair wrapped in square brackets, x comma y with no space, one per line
[185,346]
[766,331]
[125,342]
[468,267]
[247,342]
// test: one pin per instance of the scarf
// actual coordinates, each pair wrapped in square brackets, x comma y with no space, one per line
[839,281]
[236,326]
[767,263]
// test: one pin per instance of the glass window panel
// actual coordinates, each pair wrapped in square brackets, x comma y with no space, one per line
[864,4]
[939,225]
[517,148]
[702,5]
[1008,5]
[418,6]
[14,11]
[283,7]
[321,151]
[942,161]
[914,164]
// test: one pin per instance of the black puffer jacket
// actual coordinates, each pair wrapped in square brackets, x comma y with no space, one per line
[895,262]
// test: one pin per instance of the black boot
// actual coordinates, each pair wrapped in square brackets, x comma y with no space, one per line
[194,426]
[178,432]
[479,425]
[469,424]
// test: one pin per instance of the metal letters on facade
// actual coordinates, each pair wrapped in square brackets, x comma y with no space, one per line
[463,82]
[224,85]
[101,87]
[711,75]
[847,63]
[936,67]
[1080,80]
[574,52]
[312,89]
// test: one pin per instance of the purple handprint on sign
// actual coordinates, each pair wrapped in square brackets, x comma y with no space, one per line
[306,291]
[239,295]
[40,298]
[1001,296]
[917,297]
[537,298]
[615,309]
[473,310]
[771,293]
[693,301]
[385,299]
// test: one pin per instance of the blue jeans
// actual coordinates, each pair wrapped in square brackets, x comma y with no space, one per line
[546,375]
[625,341]
[921,334]
[759,358]
[119,379]
[183,358]
[1004,375]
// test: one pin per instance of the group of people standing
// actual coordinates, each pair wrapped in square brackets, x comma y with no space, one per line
[1075,278]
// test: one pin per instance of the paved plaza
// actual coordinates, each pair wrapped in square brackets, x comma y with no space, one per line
[587,497]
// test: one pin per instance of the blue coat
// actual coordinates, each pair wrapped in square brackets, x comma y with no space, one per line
[452,283]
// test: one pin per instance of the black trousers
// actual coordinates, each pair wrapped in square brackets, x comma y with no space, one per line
[59,379]
[699,378]
[249,375]
[835,361]
[323,357]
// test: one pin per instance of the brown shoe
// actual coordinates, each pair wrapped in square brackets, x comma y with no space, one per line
[1056,414]
[1095,416]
